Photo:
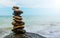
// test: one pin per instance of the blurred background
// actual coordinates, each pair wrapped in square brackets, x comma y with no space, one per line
[40,16]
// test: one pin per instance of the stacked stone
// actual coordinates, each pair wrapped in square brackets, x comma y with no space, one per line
[18,24]
[18,28]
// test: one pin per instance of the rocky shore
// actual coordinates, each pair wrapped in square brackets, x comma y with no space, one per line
[26,35]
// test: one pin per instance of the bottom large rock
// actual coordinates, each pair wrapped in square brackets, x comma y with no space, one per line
[26,35]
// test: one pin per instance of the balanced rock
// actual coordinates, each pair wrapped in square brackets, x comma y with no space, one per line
[18,27]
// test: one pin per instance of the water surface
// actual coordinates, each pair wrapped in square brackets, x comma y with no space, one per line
[47,26]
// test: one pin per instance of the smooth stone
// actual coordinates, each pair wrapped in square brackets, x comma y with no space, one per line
[26,35]
[15,7]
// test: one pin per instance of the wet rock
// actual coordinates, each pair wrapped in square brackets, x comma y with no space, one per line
[26,35]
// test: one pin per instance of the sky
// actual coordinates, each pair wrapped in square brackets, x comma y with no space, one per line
[31,7]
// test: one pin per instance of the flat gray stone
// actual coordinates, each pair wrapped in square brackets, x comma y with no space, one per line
[26,35]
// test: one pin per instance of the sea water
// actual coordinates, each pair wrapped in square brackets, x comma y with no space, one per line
[47,26]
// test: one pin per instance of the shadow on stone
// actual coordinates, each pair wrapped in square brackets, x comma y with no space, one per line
[26,35]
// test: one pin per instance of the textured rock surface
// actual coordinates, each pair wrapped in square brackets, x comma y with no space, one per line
[26,35]
[18,24]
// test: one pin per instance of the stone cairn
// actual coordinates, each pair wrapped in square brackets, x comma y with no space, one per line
[18,28]
[18,24]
